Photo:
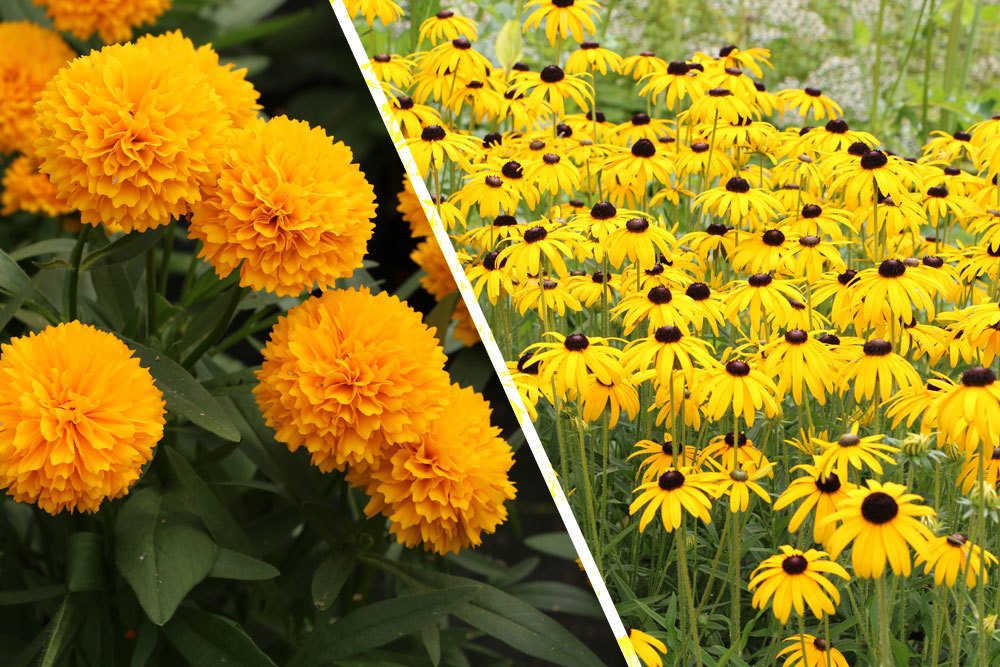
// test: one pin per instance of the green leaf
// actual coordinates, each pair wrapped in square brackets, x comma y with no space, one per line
[261,29]
[471,368]
[557,597]
[145,644]
[30,595]
[553,544]
[221,524]
[85,562]
[184,395]
[14,304]
[380,623]
[123,249]
[46,247]
[440,317]
[430,635]
[503,616]
[13,279]
[234,565]
[207,639]
[160,552]
[235,13]
[61,631]
[509,45]
[330,577]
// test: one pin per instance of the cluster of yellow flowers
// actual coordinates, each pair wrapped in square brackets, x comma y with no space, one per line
[698,262]
[139,135]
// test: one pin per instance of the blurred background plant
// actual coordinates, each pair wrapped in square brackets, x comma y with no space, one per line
[247,554]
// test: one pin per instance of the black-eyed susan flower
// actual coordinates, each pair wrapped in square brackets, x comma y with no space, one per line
[767,252]
[283,226]
[969,411]
[641,164]
[793,580]
[878,372]
[882,522]
[819,493]
[552,86]
[30,55]
[799,362]
[640,241]
[659,457]
[859,180]
[665,350]
[698,158]
[491,276]
[617,396]
[553,174]
[738,388]
[675,492]
[393,70]
[739,484]
[676,83]
[851,450]
[435,145]
[719,104]
[656,308]
[413,117]
[739,203]
[79,418]
[546,296]
[540,244]
[590,289]
[642,64]
[567,360]
[649,649]
[764,299]
[447,488]
[808,651]
[592,57]
[744,455]
[563,18]
[447,25]
[347,373]
[810,101]
[949,556]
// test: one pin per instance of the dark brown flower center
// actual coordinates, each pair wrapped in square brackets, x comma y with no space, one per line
[933,261]
[698,291]
[956,539]
[382,57]
[848,440]
[404,102]
[811,211]
[809,241]
[494,181]
[759,280]
[550,158]
[858,149]
[461,43]
[490,261]
[796,336]
[672,479]
[526,365]
[678,68]
[879,507]
[551,74]
[742,439]
[637,225]
[891,268]
[512,170]
[719,92]
[716,229]
[599,277]
[837,126]
[576,342]
[445,14]
[796,564]
[668,334]
[812,92]
[659,295]
[535,234]
[773,237]
[738,368]
[644,148]
[828,484]
[504,221]
[640,118]
[432,133]
[829,339]
[738,185]
[978,377]
[874,160]
[699,147]
[492,139]
[877,347]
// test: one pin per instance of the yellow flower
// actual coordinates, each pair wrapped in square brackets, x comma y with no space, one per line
[738,387]
[949,556]
[568,360]
[446,24]
[437,278]
[79,417]
[853,451]
[676,491]
[112,20]
[131,133]
[447,487]
[810,101]
[563,18]
[882,521]
[26,189]
[592,57]
[346,373]
[817,653]
[289,209]
[818,492]
[434,144]
[795,579]
[412,211]
[739,483]
[877,372]
[648,648]
[30,55]
[385,11]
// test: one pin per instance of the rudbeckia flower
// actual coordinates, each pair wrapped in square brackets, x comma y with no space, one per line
[951,555]
[673,493]
[676,83]
[739,203]
[810,101]
[552,86]
[969,411]
[447,25]
[393,70]
[547,296]
[853,451]
[794,580]
[288,209]
[413,117]
[719,104]
[659,457]
[552,174]
[649,649]
[435,145]
[751,59]
[616,396]
[800,362]
[657,308]
[643,64]
[567,360]
[739,483]
[79,418]
[721,452]
[764,299]
[861,179]
[639,241]
[736,386]
[882,521]
[348,373]
[665,350]
[386,11]
[878,372]
[638,165]
[448,487]
[592,57]
[820,495]
[563,18]
[112,20]
[589,289]
[490,275]
[809,651]
[30,55]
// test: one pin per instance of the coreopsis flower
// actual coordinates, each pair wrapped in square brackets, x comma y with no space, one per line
[810,101]
[820,495]
[448,487]
[447,25]
[386,11]
[948,556]
[738,387]
[882,521]
[30,55]
[79,417]
[853,451]
[816,653]
[649,649]
[112,20]
[969,411]
[288,209]
[563,18]
[878,372]
[27,189]
[348,373]
[676,491]
[116,143]
[794,580]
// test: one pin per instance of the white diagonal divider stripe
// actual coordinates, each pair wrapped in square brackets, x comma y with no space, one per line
[486,334]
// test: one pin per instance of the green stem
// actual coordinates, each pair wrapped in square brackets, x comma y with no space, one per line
[150,292]
[877,68]
[235,296]
[680,542]
[74,275]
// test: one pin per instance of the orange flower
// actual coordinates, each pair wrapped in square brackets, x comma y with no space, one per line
[78,418]
[113,20]
[25,189]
